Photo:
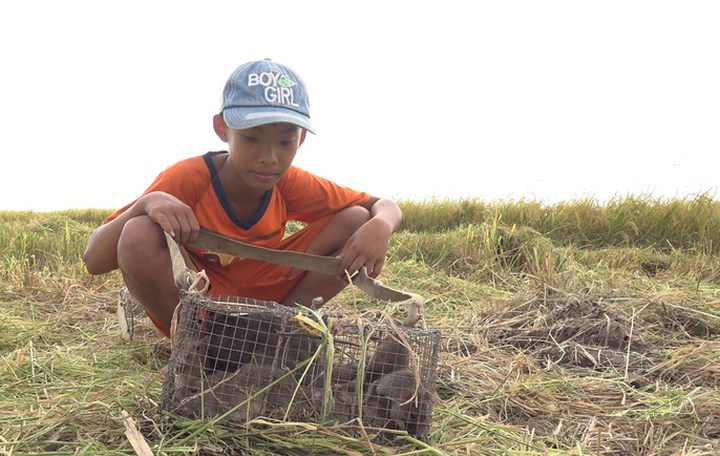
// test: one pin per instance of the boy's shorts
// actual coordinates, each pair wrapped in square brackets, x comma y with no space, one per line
[260,279]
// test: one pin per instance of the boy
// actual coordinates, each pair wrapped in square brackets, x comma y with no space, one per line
[248,192]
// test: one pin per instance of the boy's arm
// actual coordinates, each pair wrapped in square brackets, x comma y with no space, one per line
[385,210]
[171,214]
[368,246]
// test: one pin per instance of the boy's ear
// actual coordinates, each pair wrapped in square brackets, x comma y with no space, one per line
[220,127]
[303,133]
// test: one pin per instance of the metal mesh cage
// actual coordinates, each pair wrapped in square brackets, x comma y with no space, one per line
[132,319]
[236,359]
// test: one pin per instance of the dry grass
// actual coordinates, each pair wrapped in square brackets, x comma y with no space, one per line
[550,346]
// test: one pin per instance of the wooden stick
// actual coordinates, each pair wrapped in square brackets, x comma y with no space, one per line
[137,440]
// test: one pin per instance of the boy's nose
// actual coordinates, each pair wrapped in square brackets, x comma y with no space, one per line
[268,155]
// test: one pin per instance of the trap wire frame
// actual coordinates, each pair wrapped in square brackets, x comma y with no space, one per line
[133,322]
[234,359]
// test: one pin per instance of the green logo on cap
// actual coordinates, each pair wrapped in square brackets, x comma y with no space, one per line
[284,81]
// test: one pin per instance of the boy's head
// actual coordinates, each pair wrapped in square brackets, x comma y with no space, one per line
[264,92]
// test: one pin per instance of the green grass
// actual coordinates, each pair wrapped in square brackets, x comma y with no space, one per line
[665,224]
[570,329]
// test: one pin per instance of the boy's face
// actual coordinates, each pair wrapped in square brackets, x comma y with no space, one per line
[261,155]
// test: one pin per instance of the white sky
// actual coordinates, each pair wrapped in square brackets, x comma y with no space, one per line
[549,100]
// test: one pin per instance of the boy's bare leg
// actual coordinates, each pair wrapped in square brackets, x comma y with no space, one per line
[329,242]
[144,261]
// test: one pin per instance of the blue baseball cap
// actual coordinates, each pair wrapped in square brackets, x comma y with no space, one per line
[264,92]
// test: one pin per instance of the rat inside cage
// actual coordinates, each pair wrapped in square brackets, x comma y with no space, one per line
[236,359]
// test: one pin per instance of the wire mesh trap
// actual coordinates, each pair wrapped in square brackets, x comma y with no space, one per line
[132,319]
[236,359]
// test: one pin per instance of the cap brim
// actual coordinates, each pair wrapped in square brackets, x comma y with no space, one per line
[240,118]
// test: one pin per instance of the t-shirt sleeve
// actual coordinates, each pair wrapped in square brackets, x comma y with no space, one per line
[309,197]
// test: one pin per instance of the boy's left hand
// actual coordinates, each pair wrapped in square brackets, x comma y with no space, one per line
[367,247]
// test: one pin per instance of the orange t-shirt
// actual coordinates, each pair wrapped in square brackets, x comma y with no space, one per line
[299,195]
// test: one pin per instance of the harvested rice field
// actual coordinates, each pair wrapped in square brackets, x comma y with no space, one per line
[574,329]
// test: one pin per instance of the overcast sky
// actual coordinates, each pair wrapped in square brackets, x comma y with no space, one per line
[549,100]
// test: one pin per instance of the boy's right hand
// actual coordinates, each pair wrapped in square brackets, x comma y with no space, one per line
[174,217]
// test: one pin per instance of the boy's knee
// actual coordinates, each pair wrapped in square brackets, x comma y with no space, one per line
[338,229]
[354,217]
[139,234]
